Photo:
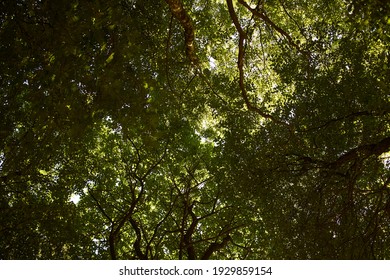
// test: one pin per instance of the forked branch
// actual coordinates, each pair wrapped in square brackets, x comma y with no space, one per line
[262,15]
[242,36]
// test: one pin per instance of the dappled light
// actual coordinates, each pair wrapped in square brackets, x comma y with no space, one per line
[194,129]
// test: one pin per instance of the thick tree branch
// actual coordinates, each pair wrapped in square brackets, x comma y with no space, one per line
[178,11]
[188,235]
[234,18]
[137,242]
[358,154]
[363,152]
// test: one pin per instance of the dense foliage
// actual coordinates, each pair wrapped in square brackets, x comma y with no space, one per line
[194,129]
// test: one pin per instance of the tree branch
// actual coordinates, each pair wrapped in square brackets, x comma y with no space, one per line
[137,242]
[99,206]
[363,152]
[240,63]
[264,17]
[188,236]
[215,246]
[359,153]
[112,236]
[178,11]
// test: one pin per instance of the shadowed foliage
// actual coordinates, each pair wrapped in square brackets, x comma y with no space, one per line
[194,129]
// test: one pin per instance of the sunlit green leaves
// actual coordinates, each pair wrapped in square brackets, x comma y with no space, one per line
[100,102]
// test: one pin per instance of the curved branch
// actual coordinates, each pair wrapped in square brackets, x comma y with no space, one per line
[234,18]
[264,17]
[292,18]
[137,242]
[215,246]
[363,152]
[358,154]
[188,236]
[178,11]
[240,63]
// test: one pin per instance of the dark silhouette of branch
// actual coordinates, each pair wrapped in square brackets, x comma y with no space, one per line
[292,18]
[261,14]
[137,242]
[358,154]
[112,236]
[100,207]
[215,246]
[187,238]
[363,152]
[342,118]
[157,227]
[127,216]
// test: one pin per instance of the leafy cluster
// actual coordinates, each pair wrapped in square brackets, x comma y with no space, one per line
[194,129]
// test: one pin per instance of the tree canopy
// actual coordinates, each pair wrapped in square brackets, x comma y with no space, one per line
[194,129]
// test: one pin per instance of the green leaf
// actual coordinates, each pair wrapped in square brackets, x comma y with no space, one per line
[43,172]
[110,58]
